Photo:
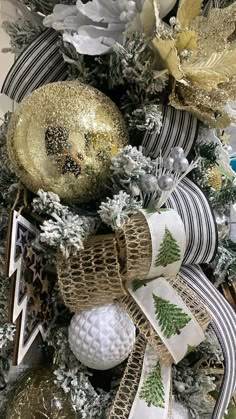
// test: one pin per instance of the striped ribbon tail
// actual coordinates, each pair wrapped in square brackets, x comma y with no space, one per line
[195,211]
[224,325]
[40,63]
[179,128]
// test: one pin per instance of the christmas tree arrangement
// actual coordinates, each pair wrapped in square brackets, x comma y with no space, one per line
[117,197]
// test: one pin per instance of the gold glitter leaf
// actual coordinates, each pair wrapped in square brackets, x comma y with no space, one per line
[168,53]
[214,30]
[188,10]
[217,69]
[206,106]
[186,40]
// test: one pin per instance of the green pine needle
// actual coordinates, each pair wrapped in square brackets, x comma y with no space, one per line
[225,196]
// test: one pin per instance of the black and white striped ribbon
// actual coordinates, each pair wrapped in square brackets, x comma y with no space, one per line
[201,232]
[179,128]
[224,325]
[40,63]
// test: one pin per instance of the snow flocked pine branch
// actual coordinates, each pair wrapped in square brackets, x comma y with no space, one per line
[146,118]
[7,333]
[65,230]
[129,165]
[191,386]
[73,378]
[115,212]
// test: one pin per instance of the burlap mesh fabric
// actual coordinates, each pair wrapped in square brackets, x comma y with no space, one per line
[135,244]
[92,276]
[130,382]
[192,301]
[146,329]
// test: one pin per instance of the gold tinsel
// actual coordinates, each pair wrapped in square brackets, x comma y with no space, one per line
[200,55]
[62,139]
[215,179]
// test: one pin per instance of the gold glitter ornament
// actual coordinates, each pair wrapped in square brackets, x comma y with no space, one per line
[36,396]
[62,139]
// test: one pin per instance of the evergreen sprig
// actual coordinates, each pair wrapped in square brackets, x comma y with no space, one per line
[65,230]
[207,154]
[21,33]
[224,264]
[207,151]
[191,384]
[224,197]
[73,378]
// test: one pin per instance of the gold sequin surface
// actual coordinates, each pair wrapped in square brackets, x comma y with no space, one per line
[36,396]
[62,138]
[215,179]
[200,54]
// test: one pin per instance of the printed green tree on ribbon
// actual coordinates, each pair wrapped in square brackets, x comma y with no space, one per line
[152,391]
[169,250]
[170,316]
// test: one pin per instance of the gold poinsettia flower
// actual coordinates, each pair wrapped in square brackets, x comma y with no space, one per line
[200,54]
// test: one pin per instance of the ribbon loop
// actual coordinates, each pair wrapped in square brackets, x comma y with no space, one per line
[40,63]
[179,129]
[200,227]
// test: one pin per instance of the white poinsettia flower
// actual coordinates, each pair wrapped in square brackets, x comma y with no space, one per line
[93,28]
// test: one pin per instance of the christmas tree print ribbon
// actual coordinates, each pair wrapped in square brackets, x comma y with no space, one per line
[169,316]
[168,242]
[153,395]
[162,306]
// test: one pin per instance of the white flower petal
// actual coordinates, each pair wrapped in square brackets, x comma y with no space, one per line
[87,46]
[60,12]
[93,40]
[106,11]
